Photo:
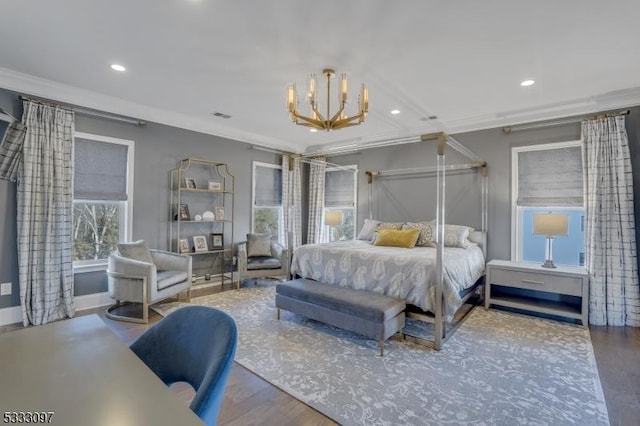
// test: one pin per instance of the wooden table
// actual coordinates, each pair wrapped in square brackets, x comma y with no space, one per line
[79,370]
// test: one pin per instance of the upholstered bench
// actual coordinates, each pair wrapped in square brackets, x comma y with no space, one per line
[371,314]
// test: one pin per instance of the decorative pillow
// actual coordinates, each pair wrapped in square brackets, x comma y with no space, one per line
[456,236]
[368,230]
[136,250]
[258,245]
[397,237]
[389,225]
[476,237]
[424,240]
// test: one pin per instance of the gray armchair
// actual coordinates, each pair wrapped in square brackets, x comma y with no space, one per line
[270,261]
[139,275]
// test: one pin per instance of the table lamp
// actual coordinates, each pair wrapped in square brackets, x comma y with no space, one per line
[333,219]
[550,225]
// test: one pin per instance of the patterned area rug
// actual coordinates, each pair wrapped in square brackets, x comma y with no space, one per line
[498,369]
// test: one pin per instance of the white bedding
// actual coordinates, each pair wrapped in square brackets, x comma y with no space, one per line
[408,274]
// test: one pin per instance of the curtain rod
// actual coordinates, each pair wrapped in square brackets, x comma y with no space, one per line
[558,122]
[89,112]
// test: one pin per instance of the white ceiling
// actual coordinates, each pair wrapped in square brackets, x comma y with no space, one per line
[459,60]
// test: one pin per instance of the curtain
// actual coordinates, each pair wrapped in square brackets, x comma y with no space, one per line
[11,150]
[610,252]
[45,203]
[316,200]
[291,201]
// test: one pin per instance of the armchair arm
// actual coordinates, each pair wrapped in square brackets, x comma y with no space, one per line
[278,251]
[125,266]
[128,279]
[167,261]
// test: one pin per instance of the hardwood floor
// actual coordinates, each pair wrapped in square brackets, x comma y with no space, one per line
[249,400]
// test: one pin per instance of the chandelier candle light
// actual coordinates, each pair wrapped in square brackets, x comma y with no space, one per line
[339,120]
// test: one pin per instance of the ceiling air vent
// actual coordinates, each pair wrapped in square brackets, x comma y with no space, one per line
[220,114]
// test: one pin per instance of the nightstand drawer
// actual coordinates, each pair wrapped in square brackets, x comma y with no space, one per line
[534,281]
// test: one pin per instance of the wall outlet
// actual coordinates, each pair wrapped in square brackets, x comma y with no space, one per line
[5,289]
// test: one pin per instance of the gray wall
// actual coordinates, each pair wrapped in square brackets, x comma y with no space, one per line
[414,199]
[158,149]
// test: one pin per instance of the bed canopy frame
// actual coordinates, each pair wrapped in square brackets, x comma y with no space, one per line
[440,170]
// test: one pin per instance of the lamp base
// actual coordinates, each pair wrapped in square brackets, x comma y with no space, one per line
[548,264]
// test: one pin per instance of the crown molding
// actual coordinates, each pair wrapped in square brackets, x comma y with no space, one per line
[39,87]
[59,92]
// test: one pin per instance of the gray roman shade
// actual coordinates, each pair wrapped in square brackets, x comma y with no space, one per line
[550,177]
[338,188]
[100,170]
[268,186]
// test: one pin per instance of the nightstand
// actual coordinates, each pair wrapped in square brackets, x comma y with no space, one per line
[531,278]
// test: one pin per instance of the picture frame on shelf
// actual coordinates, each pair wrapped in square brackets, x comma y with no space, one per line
[217,241]
[219,213]
[182,212]
[200,243]
[215,185]
[183,246]
[190,183]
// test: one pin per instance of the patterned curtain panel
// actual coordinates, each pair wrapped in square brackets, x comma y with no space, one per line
[45,202]
[11,150]
[316,200]
[291,201]
[286,202]
[610,252]
[296,188]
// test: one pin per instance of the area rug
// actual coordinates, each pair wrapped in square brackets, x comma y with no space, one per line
[499,368]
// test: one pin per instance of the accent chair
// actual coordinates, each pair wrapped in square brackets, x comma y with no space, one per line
[137,274]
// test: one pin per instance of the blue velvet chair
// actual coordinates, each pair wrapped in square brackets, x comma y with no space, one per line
[195,344]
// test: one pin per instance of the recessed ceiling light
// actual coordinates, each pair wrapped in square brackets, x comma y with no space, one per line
[117,67]
[527,83]
[313,130]
[395,111]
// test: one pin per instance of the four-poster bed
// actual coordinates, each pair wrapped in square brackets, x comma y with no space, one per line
[438,280]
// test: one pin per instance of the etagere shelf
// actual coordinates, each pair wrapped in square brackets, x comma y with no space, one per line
[201,215]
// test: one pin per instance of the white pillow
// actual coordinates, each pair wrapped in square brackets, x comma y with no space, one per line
[454,235]
[368,230]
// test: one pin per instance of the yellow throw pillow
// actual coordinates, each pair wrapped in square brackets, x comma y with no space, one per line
[397,237]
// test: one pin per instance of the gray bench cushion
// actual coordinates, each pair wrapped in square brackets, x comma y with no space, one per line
[359,303]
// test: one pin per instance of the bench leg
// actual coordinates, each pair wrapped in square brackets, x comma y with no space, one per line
[381,342]
[278,313]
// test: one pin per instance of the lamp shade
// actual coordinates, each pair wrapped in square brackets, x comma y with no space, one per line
[550,224]
[333,218]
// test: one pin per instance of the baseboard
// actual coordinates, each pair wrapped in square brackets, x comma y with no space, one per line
[13,314]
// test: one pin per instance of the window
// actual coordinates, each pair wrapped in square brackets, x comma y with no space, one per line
[547,178]
[266,214]
[102,208]
[340,189]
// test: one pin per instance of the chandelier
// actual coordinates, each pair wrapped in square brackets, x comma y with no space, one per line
[327,122]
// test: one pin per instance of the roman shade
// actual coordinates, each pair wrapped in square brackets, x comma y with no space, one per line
[338,188]
[100,170]
[550,177]
[268,186]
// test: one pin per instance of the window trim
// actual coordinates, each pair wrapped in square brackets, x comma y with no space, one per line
[253,192]
[516,216]
[83,266]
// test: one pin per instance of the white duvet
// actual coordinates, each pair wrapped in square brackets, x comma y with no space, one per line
[408,274]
